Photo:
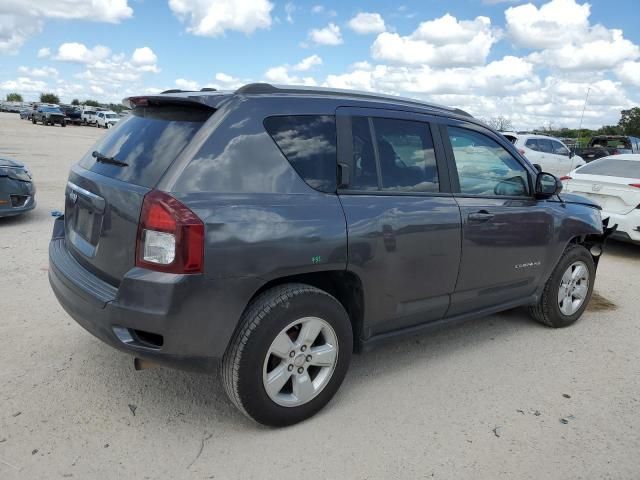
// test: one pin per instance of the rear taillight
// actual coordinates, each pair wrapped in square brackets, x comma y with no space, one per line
[170,236]
[637,185]
[566,177]
[615,152]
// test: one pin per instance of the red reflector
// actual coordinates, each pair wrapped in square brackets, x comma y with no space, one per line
[566,177]
[139,101]
[163,213]
[159,219]
[637,185]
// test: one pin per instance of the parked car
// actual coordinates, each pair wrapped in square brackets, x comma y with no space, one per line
[49,116]
[73,114]
[613,183]
[89,116]
[17,191]
[606,145]
[271,231]
[548,152]
[107,119]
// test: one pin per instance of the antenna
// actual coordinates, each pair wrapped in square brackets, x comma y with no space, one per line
[583,109]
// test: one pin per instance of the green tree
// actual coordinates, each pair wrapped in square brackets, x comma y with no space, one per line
[91,103]
[14,97]
[75,101]
[49,98]
[630,121]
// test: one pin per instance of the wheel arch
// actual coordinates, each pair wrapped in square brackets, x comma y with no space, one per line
[344,285]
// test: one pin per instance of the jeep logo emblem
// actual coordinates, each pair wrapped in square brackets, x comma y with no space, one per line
[596,187]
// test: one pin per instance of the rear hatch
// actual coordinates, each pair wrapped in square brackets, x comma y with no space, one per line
[105,191]
[613,183]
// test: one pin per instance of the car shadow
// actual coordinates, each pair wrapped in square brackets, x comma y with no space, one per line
[622,249]
[200,398]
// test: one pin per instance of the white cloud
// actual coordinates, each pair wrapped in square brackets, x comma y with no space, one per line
[23,84]
[564,37]
[289,8]
[317,9]
[21,19]
[364,23]
[280,75]
[14,31]
[444,41]
[79,53]
[143,56]
[212,18]
[95,10]
[329,35]
[184,84]
[308,63]
[44,53]
[629,73]
[38,72]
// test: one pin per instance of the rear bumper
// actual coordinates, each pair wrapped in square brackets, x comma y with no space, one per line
[194,317]
[628,225]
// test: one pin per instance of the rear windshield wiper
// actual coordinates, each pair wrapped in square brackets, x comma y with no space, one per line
[110,160]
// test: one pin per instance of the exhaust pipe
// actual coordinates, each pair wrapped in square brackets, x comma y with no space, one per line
[142,364]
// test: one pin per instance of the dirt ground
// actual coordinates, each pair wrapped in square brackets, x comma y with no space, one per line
[499,397]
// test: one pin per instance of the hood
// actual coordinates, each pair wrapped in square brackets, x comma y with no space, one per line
[5,162]
[579,199]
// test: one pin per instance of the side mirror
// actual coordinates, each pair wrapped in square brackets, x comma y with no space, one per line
[537,167]
[572,154]
[547,185]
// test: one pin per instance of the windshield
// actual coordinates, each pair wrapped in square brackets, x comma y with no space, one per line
[148,140]
[611,167]
[51,110]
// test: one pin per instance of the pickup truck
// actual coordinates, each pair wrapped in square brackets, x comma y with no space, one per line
[606,145]
[89,117]
[73,114]
[49,116]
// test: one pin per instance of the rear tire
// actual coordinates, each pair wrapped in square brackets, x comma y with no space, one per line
[285,341]
[567,293]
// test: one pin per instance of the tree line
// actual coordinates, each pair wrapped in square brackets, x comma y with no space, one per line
[53,98]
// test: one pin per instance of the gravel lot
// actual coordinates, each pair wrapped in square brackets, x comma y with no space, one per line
[499,397]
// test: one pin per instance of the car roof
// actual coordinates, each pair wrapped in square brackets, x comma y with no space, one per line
[623,156]
[213,98]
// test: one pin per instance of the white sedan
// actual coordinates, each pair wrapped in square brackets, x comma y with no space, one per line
[614,183]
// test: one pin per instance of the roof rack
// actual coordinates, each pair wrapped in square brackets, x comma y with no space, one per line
[258,88]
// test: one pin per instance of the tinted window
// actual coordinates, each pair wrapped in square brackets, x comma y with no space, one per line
[484,167]
[309,143]
[559,149]
[544,145]
[532,143]
[612,168]
[364,175]
[148,140]
[406,155]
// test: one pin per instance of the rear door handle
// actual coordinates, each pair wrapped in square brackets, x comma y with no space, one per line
[481,216]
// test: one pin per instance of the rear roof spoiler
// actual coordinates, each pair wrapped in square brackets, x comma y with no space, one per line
[205,99]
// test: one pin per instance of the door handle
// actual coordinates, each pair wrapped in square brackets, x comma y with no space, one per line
[481,216]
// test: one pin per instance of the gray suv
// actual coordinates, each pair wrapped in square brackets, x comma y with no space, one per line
[272,231]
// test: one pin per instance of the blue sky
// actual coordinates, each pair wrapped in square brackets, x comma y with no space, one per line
[532,62]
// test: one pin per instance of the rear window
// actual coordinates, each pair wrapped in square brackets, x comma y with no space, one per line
[309,143]
[148,140]
[612,168]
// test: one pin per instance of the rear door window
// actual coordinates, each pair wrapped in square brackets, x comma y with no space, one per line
[406,155]
[309,144]
[532,143]
[544,145]
[559,149]
[148,140]
[612,168]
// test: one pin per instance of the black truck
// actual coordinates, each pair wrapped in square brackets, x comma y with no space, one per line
[606,145]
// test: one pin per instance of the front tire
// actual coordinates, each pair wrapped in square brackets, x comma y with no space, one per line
[289,355]
[567,293]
